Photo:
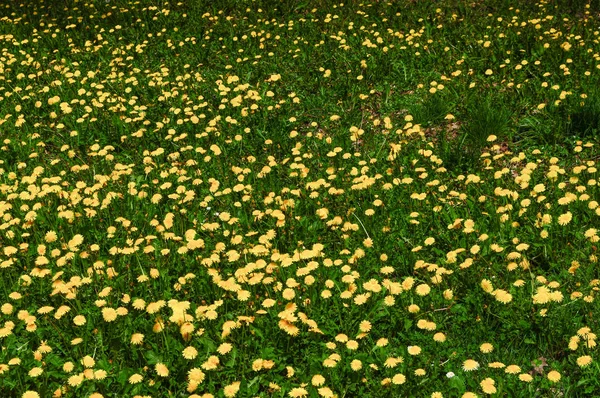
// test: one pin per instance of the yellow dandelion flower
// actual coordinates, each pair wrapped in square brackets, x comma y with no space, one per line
[35,372]
[298,392]
[414,350]
[317,380]
[356,365]
[487,286]
[137,338]
[488,385]
[439,337]
[565,218]
[224,348]
[553,376]
[232,389]
[584,361]
[211,363]
[190,353]
[161,369]
[365,326]
[75,380]
[470,365]
[196,376]
[135,378]
[352,345]
[486,348]
[399,378]
[30,394]
[423,289]
[326,392]
[525,377]
[513,369]
[109,314]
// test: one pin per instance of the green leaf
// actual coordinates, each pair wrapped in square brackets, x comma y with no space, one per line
[152,358]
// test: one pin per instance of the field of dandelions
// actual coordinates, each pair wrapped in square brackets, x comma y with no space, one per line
[261,198]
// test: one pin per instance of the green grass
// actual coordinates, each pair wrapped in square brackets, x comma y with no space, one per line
[299,199]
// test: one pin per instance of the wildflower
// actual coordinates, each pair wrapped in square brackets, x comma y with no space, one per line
[196,375]
[224,348]
[526,377]
[470,365]
[135,378]
[232,389]
[190,353]
[488,385]
[298,392]
[486,348]
[399,378]
[35,372]
[356,365]
[109,314]
[439,337]
[161,370]
[423,289]
[565,218]
[30,394]
[584,361]
[553,376]
[317,380]
[75,380]
[137,338]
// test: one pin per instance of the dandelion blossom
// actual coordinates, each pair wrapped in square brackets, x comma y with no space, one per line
[488,385]
[298,392]
[137,338]
[232,389]
[423,289]
[190,353]
[35,372]
[317,380]
[135,378]
[525,377]
[161,370]
[399,378]
[565,218]
[553,376]
[584,361]
[109,314]
[470,365]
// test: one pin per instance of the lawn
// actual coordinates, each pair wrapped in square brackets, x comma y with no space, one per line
[299,198]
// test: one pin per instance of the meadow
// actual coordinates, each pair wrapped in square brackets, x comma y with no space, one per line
[300,198]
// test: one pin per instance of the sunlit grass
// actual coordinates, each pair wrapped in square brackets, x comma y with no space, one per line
[299,199]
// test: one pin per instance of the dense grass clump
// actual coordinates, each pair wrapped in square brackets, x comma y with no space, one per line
[299,198]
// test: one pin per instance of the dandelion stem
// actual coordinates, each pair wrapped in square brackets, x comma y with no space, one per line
[363,225]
